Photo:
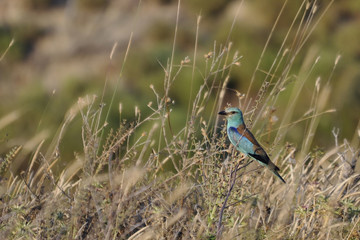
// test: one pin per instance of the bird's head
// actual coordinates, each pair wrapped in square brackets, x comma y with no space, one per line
[233,115]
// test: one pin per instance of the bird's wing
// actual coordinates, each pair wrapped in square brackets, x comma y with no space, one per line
[240,141]
[244,141]
[242,138]
[262,158]
[242,129]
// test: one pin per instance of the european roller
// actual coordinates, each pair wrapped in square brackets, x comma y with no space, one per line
[244,140]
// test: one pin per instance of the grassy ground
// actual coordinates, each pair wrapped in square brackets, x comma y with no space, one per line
[147,179]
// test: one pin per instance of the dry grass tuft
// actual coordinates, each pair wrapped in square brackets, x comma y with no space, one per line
[188,184]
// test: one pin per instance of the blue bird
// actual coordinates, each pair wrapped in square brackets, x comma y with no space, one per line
[244,140]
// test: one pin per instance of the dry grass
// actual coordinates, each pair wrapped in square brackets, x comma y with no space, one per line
[188,184]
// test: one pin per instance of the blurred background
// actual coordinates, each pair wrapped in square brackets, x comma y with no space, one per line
[60,51]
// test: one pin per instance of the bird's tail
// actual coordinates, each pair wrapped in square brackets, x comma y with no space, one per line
[274,169]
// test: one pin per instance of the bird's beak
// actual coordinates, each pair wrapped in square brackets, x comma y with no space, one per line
[222,113]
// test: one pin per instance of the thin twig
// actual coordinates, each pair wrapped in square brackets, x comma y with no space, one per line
[233,180]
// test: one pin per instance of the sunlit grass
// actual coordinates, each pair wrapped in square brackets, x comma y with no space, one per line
[146,180]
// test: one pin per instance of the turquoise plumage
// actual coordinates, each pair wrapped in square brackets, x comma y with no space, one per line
[244,140]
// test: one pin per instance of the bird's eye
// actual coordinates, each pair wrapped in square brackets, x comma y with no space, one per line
[233,112]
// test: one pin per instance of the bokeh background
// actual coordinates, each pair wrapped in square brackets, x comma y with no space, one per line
[60,51]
